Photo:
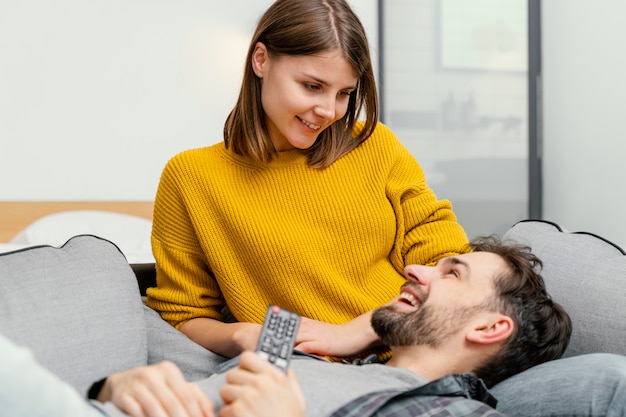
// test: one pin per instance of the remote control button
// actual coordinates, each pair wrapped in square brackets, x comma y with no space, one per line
[278,336]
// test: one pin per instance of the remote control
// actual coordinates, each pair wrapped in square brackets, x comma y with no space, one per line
[278,336]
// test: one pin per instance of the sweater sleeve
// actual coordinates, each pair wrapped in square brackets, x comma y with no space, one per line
[186,287]
[427,227]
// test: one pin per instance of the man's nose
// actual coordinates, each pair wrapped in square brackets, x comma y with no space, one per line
[419,273]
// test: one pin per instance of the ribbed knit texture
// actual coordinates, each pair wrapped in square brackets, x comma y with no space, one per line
[328,244]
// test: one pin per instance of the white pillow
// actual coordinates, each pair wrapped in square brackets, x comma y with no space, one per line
[10,247]
[130,233]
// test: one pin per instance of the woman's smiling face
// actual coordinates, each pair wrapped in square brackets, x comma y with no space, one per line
[302,95]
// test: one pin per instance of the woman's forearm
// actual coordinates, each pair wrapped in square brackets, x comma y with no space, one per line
[226,339]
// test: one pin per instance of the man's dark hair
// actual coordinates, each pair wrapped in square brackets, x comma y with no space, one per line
[542,327]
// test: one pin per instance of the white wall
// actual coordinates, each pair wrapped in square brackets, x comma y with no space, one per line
[584,67]
[96,95]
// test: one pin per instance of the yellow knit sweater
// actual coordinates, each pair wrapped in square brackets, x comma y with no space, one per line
[329,244]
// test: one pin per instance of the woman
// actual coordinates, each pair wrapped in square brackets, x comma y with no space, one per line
[301,205]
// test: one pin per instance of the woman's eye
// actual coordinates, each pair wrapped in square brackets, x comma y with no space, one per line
[313,87]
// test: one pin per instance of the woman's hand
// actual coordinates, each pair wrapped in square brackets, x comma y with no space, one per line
[256,388]
[245,336]
[226,339]
[339,340]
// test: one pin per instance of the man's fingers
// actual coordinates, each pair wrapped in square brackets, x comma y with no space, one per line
[234,410]
[161,391]
[188,401]
[230,393]
[250,361]
[141,403]
[205,406]
[131,407]
[181,398]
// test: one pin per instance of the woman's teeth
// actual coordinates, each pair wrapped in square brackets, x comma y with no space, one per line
[311,125]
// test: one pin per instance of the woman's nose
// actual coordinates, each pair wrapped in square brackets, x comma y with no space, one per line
[326,108]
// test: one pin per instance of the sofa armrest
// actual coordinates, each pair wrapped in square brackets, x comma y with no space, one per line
[146,276]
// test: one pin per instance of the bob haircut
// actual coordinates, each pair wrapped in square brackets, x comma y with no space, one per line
[306,27]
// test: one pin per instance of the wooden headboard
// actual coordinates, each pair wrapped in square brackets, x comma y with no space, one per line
[16,215]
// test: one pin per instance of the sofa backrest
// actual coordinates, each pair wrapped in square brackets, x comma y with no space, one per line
[77,307]
[586,274]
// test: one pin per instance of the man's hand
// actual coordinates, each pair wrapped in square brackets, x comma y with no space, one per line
[256,388]
[155,391]
[339,340]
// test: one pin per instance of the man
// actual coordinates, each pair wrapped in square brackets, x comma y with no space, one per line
[486,313]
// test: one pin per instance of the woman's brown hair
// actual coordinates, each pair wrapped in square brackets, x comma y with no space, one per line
[306,27]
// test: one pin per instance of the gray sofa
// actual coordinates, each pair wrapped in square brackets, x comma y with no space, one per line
[80,308]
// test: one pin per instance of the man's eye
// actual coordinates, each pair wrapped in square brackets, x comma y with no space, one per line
[454,273]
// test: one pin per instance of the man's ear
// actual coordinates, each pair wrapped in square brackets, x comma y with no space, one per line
[492,329]
[259,58]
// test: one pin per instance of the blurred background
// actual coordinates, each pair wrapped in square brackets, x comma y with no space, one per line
[513,108]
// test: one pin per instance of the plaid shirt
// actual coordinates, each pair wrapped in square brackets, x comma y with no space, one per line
[453,395]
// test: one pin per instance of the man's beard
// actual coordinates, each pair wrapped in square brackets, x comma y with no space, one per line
[429,325]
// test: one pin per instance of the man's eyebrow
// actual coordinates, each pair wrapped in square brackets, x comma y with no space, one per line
[453,260]
[325,83]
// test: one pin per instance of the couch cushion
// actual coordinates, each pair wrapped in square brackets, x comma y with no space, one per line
[585,385]
[77,307]
[587,275]
[168,343]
